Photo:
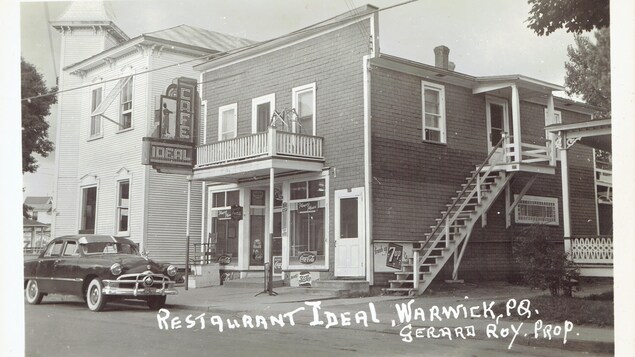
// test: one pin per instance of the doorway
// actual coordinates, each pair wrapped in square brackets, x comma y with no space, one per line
[350,237]
[497,125]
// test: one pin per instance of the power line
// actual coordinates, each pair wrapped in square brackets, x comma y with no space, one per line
[317,26]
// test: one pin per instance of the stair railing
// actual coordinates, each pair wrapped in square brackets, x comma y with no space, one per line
[447,220]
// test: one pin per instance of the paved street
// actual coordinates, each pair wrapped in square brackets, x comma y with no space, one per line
[67,328]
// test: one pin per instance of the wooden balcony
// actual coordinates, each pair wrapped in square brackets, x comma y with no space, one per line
[539,156]
[248,155]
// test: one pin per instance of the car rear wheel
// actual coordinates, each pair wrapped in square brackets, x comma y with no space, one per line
[156,302]
[33,294]
[95,299]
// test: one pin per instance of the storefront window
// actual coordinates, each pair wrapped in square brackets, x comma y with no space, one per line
[307,227]
[223,236]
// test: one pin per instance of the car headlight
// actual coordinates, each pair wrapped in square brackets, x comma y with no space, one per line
[171,270]
[115,269]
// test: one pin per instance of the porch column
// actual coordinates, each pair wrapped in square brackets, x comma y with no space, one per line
[564,171]
[548,121]
[516,123]
[187,234]
[269,242]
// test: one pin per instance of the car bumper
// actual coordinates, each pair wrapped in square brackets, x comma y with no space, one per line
[136,285]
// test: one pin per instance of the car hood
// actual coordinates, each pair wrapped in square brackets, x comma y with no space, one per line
[134,263]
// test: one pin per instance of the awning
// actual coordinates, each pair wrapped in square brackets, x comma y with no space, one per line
[593,133]
[101,109]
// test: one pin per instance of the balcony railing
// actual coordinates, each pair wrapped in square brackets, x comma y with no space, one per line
[530,153]
[592,249]
[265,144]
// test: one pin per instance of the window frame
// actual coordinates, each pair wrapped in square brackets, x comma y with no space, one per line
[100,133]
[82,210]
[294,104]
[442,129]
[204,121]
[119,208]
[269,98]
[323,202]
[541,199]
[122,111]
[221,110]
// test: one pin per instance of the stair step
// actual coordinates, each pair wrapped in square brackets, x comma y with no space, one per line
[397,289]
[411,281]
[482,190]
[475,204]
[458,226]
[462,213]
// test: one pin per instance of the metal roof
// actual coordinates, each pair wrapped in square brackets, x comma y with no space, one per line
[198,37]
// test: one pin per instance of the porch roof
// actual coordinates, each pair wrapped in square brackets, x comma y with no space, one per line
[593,133]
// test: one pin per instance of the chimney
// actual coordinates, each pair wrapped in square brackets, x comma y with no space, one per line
[441,57]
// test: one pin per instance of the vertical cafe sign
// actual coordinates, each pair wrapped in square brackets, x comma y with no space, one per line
[186,88]
[171,146]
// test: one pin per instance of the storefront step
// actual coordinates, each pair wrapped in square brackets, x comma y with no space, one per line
[350,288]
[256,282]
[324,293]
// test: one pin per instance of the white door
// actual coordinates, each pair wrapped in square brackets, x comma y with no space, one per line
[350,237]
[497,124]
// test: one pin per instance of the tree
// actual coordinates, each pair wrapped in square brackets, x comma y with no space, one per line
[576,16]
[589,70]
[34,113]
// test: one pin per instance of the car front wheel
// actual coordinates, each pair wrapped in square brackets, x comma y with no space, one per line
[156,302]
[33,294]
[95,299]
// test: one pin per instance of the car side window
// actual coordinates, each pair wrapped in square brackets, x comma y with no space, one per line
[71,249]
[54,250]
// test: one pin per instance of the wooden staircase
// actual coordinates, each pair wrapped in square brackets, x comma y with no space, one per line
[450,235]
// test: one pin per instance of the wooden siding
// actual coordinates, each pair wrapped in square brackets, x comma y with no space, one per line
[333,61]
[414,180]
[76,46]
[167,193]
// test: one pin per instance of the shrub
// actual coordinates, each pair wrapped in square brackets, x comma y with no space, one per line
[541,263]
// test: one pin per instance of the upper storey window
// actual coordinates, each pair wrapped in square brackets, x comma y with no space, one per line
[227,122]
[95,120]
[304,104]
[125,120]
[433,112]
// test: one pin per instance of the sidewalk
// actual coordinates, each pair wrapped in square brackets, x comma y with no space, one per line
[243,301]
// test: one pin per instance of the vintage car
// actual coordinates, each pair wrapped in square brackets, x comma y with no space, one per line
[98,268]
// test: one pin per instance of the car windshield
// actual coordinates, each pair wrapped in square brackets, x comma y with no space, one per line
[109,248]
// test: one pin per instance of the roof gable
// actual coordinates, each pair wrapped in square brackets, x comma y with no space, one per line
[198,37]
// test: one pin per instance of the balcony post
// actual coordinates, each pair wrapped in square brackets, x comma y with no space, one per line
[516,124]
[566,215]
[551,146]
[272,141]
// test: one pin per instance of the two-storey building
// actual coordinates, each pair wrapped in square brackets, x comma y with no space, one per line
[350,163]
[111,87]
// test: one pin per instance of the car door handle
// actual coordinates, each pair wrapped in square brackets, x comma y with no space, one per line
[57,261]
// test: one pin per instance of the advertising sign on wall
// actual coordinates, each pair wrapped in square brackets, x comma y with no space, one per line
[171,146]
[277,265]
[163,152]
[394,256]
[380,256]
[307,207]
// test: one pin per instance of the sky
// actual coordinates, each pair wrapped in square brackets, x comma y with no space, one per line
[485,37]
